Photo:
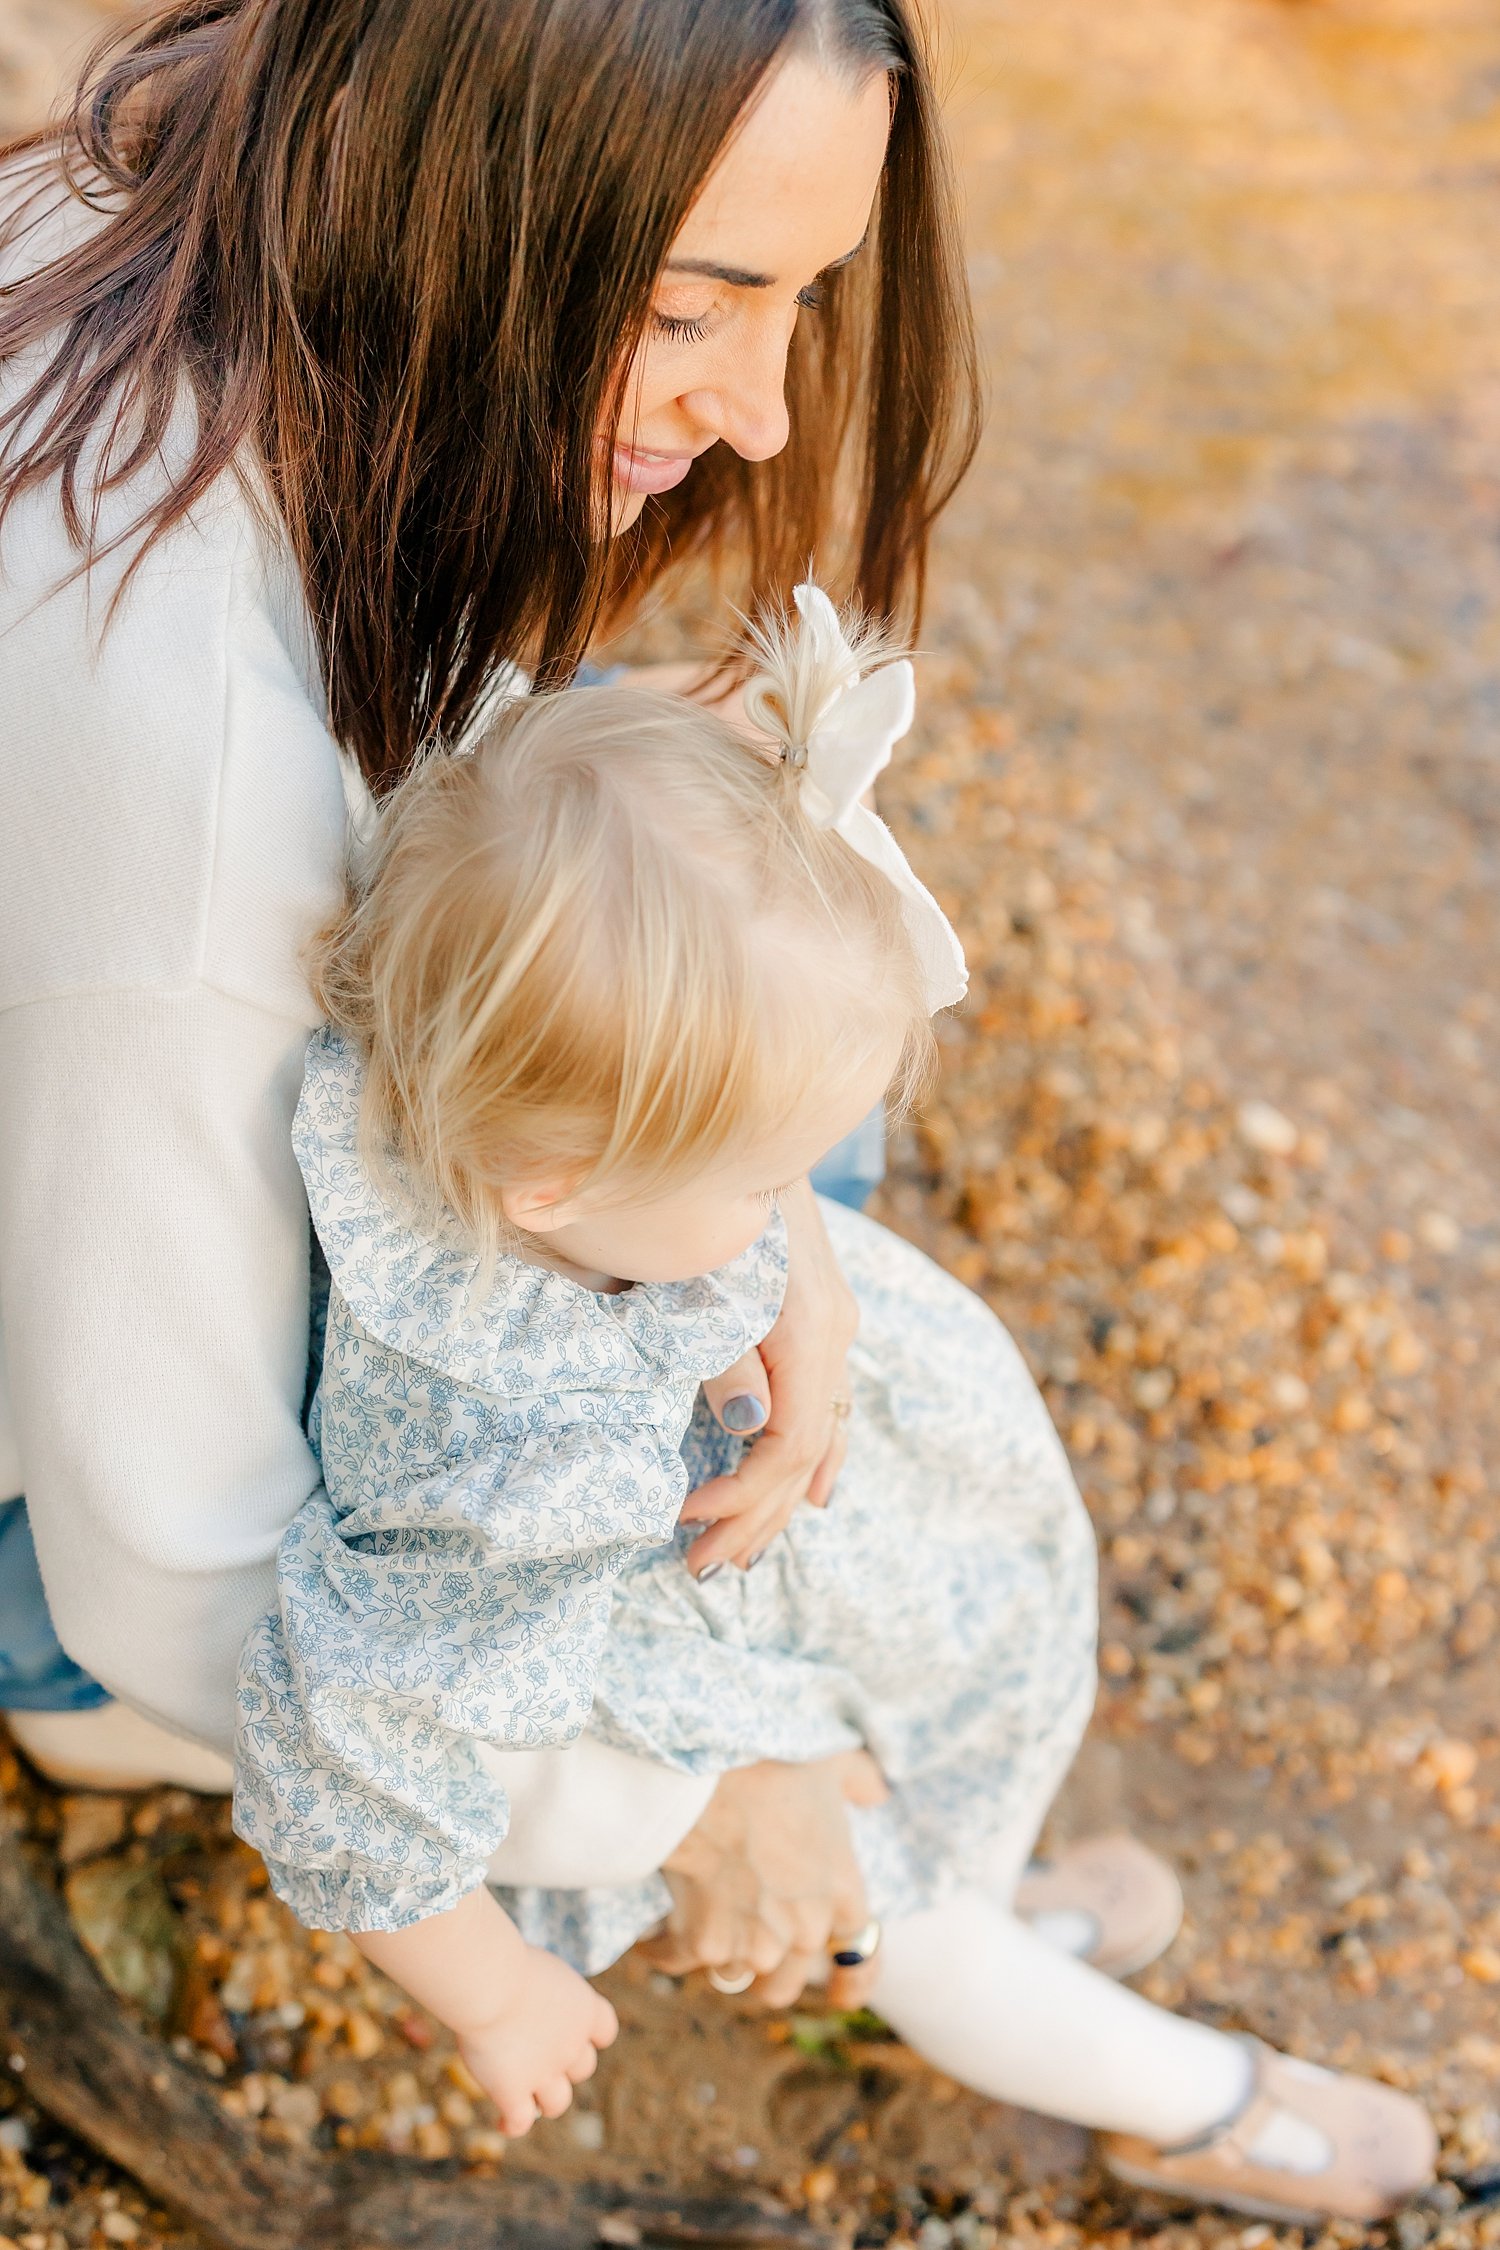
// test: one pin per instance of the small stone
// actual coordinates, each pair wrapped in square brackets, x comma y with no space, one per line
[820,2185]
[91,1825]
[1448,1764]
[1265,1129]
[1482,1963]
[1437,1231]
[458,2074]
[128,1923]
[484,2145]
[299,2107]
[118,2226]
[362,2035]
[615,2228]
[586,2128]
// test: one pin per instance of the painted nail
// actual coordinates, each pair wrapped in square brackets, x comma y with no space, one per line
[712,1572]
[755,1558]
[742,1413]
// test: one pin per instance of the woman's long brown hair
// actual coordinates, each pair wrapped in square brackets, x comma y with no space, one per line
[391,257]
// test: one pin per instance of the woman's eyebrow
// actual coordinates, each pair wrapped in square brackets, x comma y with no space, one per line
[739,277]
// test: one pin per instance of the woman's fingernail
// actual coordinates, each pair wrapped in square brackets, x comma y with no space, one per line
[742,1413]
[712,1572]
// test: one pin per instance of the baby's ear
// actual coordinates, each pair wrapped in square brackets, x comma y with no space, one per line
[537,1206]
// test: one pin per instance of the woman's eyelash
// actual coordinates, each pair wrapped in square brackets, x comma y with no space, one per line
[679,331]
[812,296]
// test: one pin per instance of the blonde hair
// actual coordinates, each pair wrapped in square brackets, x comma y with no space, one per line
[609,945]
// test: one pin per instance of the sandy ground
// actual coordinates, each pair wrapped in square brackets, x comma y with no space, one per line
[1206,773]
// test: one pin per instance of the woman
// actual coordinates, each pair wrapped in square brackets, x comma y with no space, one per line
[386,345]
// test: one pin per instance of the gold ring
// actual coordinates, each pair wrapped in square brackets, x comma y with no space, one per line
[731,1982]
[853,1952]
[842,1408]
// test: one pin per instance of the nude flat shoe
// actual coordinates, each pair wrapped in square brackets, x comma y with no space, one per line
[1107,1900]
[1381,2149]
[112,1747]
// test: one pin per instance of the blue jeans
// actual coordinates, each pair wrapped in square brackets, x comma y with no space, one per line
[35,1675]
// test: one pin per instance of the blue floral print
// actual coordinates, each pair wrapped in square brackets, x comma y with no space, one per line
[495,1561]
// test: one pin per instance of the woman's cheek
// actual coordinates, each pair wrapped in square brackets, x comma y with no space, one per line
[625,508]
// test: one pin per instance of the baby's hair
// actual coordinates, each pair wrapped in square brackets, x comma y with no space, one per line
[608,945]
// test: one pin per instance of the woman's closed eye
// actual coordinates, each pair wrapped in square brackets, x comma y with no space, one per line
[680,331]
[691,328]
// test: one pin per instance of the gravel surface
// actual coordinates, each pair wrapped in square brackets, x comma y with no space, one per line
[1205,773]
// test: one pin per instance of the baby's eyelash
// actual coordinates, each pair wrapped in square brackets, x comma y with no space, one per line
[770,1197]
[679,331]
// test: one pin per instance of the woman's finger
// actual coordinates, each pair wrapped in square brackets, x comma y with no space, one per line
[670,1952]
[853,1988]
[826,1476]
[740,1398]
[784,1987]
[776,1474]
[860,1779]
[739,1539]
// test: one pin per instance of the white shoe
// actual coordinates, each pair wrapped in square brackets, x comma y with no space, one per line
[113,1747]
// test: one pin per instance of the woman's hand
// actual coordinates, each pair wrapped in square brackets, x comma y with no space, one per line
[768,1880]
[792,1382]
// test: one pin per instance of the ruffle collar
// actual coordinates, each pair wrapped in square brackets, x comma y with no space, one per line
[530,1331]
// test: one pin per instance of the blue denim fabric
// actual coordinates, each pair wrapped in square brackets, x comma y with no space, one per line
[35,1675]
[851,1172]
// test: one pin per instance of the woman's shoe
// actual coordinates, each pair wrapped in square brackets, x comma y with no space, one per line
[113,1747]
[1106,1900]
[1306,2145]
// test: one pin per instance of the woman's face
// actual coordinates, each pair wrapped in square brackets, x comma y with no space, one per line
[789,198]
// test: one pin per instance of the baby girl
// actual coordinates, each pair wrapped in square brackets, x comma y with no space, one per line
[602,990]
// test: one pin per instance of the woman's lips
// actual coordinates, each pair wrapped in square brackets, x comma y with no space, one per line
[639,470]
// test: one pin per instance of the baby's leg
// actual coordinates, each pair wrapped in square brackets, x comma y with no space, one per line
[977,1992]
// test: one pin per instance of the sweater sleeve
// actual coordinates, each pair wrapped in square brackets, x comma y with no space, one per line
[154,1301]
[463,1609]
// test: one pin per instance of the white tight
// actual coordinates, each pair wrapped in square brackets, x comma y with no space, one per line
[977,1992]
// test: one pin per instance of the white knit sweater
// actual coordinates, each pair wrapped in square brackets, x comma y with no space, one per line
[172,820]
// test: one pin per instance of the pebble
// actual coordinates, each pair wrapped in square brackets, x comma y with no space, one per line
[1265,1129]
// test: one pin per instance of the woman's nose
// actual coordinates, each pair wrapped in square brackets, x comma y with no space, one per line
[746,406]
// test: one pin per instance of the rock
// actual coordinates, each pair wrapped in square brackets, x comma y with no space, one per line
[91,1824]
[125,1918]
[1265,1129]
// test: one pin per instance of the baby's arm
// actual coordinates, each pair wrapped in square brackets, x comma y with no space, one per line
[528,2026]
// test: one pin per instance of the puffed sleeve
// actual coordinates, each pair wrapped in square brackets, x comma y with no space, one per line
[463,1609]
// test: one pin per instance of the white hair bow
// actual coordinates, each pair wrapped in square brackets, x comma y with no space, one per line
[838,730]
